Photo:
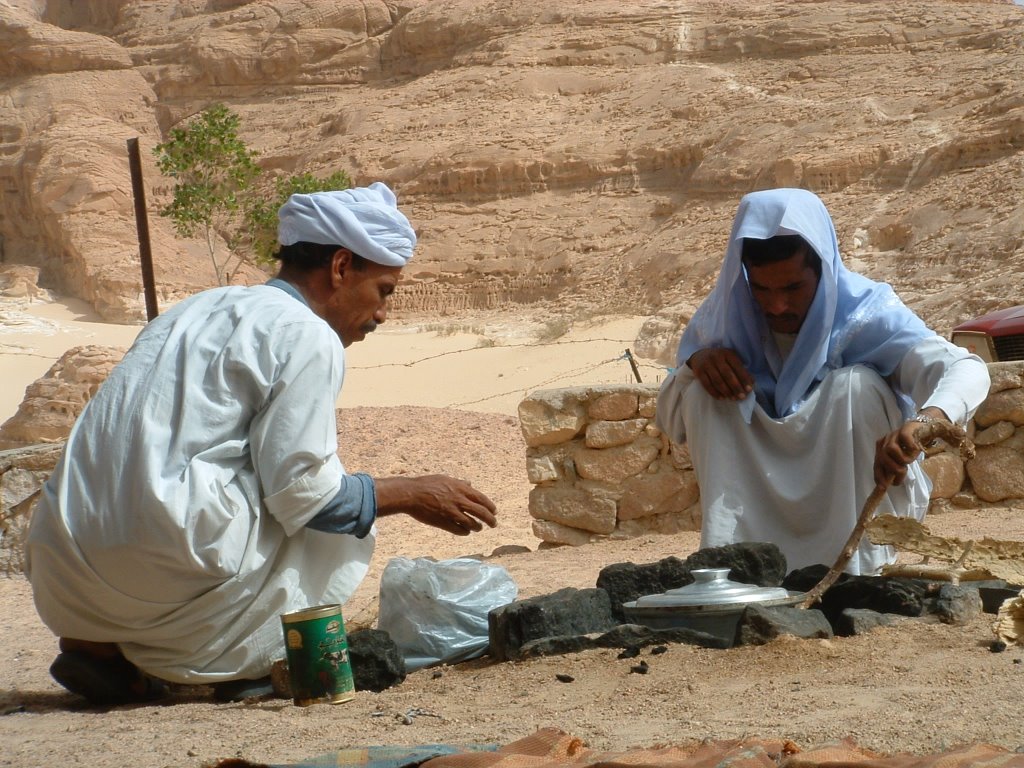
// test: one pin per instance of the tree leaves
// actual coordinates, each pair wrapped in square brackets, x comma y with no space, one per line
[213,169]
[260,234]
[221,191]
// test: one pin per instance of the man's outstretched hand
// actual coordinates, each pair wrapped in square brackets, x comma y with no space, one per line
[440,501]
[722,373]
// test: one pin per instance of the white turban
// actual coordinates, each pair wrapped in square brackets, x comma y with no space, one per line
[364,219]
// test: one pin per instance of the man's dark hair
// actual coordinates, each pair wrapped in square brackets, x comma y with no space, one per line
[758,253]
[310,256]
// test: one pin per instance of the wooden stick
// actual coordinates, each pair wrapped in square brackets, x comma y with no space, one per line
[142,228]
[953,434]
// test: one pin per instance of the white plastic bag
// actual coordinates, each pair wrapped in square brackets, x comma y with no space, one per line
[436,611]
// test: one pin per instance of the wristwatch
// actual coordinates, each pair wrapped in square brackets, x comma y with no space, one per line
[924,418]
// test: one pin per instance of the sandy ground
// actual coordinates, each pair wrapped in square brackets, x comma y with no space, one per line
[479,363]
[916,686]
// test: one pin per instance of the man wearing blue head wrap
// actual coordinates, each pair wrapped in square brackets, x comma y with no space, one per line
[800,384]
[201,496]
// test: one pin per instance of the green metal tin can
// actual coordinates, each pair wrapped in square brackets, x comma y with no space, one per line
[318,664]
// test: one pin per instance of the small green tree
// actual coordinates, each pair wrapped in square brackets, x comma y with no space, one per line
[213,170]
[259,235]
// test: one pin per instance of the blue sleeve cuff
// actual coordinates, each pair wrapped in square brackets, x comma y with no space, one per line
[352,510]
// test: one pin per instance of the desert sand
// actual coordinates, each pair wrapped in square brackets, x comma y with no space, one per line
[477,362]
[916,686]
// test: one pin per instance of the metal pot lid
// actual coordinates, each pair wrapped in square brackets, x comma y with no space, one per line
[712,586]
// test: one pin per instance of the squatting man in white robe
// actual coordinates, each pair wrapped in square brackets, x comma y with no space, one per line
[200,495]
[799,385]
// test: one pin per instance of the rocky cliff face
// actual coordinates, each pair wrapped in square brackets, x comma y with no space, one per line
[578,156]
[54,401]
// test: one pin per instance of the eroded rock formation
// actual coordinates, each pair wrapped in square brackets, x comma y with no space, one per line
[588,156]
[53,401]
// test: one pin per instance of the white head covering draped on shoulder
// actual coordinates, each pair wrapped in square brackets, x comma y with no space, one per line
[851,320]
[366,220]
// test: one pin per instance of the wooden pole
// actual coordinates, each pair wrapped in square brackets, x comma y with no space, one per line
[632,364]
[142,227]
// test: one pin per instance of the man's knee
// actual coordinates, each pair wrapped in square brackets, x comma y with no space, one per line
[858,377]
[699,404]
[869,395]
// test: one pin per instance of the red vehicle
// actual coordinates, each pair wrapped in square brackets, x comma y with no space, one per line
[995,337]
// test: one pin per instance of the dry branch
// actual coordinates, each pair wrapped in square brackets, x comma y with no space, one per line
[988,558]
[954,572]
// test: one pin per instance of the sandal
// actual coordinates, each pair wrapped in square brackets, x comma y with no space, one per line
[105,681]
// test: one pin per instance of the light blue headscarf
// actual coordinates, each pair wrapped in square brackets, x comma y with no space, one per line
[851,320]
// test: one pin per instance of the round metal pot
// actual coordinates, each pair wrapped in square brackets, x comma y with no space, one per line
[711,604]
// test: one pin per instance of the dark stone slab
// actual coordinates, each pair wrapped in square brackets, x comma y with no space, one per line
[555,646]
[806,578]
[377,663]
[993,597]
[748,562]
[954,604]
[567,612]
[627,581]
[860,621]
[630,636]
[884,594]
[762,624]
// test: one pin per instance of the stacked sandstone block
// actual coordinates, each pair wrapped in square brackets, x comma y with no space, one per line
[996,474]
[601,469]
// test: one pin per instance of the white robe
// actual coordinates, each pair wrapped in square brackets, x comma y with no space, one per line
[801,481]
[174,523]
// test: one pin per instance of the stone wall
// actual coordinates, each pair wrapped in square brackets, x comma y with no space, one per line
[600,468]
[997,472]
[22,474]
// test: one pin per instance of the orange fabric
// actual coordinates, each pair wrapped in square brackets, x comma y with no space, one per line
[554,748]
[848,755]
